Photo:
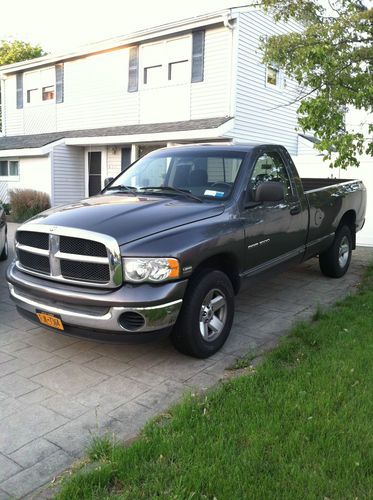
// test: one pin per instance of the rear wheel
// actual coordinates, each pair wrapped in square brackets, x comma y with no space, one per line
[4,253]
[205,320]
[336,260]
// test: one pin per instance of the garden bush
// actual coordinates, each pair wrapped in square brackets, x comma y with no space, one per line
[26,203]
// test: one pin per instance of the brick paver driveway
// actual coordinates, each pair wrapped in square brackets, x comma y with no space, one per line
[56,392]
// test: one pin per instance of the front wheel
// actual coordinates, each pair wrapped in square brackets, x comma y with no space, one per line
[205,320]
[336,260]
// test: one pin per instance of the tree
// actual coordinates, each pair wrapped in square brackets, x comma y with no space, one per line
[15,51]
[331,59]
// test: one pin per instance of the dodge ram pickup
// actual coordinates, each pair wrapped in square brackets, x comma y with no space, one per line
[167,244]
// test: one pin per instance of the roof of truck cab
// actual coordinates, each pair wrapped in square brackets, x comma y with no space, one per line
[242,147]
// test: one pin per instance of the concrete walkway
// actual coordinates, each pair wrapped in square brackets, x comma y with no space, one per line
[56,392]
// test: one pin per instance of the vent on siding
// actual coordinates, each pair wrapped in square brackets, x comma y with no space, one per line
[19,90]
[198,56]
[59,82]
[133,69]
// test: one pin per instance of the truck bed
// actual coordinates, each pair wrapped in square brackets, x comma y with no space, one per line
[313,183]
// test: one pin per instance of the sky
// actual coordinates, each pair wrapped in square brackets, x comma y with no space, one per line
[81,21]
[67,24]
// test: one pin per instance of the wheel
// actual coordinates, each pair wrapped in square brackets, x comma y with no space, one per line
[4,253]
[335,261]
[206,317]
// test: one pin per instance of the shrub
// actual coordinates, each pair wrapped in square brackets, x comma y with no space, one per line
[26,203]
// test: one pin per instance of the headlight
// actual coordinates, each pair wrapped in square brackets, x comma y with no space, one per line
[150,269]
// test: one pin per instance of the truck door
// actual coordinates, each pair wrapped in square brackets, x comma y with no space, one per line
[275,231]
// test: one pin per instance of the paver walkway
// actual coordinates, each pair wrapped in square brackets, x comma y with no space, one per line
[56,392]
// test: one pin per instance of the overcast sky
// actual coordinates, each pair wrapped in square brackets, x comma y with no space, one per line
[60,25]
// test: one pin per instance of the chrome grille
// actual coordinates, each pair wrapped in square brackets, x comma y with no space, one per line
[85,271]
[79,246]
[69,255]
[33,239]
[34,262]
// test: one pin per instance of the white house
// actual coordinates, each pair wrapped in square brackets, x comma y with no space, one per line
[69,121]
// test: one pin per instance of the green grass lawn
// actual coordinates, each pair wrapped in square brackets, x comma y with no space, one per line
[300,426]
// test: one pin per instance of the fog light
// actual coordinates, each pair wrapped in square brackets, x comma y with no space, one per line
[131,320]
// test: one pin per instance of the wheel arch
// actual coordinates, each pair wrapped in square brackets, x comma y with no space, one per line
[349,219]
[225,262]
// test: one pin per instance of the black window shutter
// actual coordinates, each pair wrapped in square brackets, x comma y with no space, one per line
[19,90]
[198,55]
[133,69]
[59,82]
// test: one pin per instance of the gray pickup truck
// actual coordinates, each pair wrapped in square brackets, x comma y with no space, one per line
[167,244]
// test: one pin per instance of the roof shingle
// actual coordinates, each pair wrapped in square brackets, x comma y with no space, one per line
[40,140]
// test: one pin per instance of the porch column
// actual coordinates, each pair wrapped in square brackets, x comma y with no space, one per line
[134,152]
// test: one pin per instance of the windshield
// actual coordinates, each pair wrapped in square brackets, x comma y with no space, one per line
[203,174]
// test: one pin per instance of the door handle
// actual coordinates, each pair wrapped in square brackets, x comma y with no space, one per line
[296,209]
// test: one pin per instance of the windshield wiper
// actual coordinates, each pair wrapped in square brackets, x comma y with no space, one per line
[126,189]
[174,190]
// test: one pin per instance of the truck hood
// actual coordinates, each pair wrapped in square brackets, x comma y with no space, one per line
[128,218]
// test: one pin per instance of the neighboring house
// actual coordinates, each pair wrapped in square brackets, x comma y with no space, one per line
[72,120]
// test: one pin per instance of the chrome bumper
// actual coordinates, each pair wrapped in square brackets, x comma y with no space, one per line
[155,317]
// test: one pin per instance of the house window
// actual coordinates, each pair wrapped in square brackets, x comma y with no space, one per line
[273,76]
[9,168]
[48,93]
[39,86]
[32,96]
[153,75]
[178,72]
[166,63]
[3,168]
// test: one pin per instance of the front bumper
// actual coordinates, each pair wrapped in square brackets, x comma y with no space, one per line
[98,310]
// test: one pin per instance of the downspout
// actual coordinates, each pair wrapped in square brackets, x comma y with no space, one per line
[2,99]
[229,24]
[226,20]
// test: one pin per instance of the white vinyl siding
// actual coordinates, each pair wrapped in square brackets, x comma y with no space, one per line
[34,173]
[114,160]
[211,97]
[262,111]
[68,174]
[13,117]
[96,89]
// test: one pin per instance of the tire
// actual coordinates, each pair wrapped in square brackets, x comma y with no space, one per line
[4,254]
[201,330]
[336,260]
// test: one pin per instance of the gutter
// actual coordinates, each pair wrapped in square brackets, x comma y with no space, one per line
[43,151]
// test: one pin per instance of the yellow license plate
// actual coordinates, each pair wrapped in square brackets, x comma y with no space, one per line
[50,320]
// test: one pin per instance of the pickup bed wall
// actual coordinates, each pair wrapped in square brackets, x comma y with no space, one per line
[309,184]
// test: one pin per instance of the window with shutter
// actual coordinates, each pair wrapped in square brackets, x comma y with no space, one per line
[19,90]
[133,69]
[198,56]
[60,90]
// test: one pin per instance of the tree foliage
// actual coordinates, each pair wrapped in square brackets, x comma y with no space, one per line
[16,51]
[331,59]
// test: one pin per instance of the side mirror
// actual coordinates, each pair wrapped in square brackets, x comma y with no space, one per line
[269,191]
[108,180]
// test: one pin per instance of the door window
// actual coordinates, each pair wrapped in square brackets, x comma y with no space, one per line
[270,167]
[94,166]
